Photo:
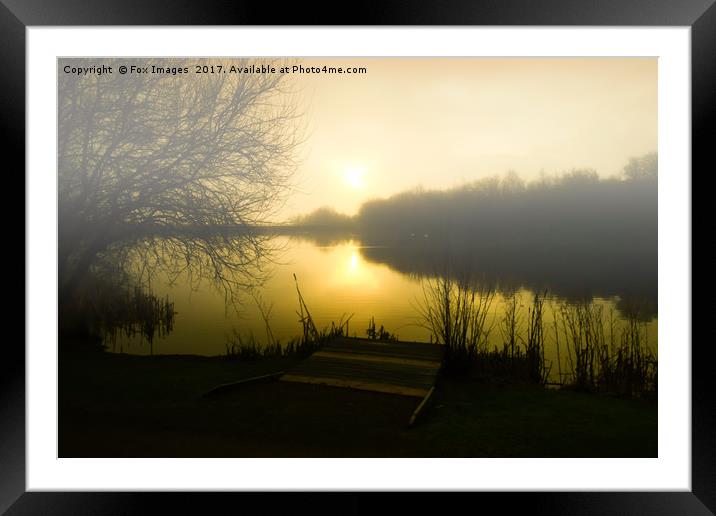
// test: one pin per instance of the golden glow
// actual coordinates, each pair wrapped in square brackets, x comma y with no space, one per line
[354,262]
[441,122]
[353,271]
[355,177]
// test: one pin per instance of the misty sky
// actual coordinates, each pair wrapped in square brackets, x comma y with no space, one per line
[441,122]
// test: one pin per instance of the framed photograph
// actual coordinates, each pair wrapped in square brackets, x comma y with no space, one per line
[435,250]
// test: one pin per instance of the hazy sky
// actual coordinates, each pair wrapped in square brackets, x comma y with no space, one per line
[441,122]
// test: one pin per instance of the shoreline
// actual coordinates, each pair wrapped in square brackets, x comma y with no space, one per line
[121,405]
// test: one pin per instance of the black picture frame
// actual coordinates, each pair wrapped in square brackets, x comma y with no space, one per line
[17,15]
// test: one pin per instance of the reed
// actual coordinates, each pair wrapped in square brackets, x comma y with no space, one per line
[534,342]
[248,347]
[628,366]
[511,321]
[605,355]
[105,310]
[455,311]
[380,334]
[583,331]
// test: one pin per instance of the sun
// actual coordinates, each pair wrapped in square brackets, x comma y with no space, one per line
[355,177]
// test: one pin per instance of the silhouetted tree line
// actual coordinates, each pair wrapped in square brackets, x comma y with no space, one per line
[325,217]
[576,234]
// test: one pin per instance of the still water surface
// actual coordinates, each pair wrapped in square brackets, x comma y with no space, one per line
[337,281]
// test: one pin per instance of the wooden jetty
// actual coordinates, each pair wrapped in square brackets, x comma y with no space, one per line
[405,368]
[402,368]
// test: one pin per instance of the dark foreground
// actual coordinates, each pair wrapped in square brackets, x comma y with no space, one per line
[131,406]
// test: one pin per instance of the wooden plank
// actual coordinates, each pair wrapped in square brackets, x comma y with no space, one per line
[404,349]
[357,384]
[420,408]
[387,371]
[357,361]
[404,368]
[405,381]
[224,387]
[417,346]
[424,346]
[383,353]
[378,358]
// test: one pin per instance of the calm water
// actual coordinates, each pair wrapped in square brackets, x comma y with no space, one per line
[337,281]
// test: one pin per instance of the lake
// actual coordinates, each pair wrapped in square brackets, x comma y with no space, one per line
[338,278]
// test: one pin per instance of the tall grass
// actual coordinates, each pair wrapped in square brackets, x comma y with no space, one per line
[248,347]
[511,321]
[459,315]
[583,328]
[380,334]
[606,356]
[629,366]
[456,311]
[534,342]
[601,353]
[104,309]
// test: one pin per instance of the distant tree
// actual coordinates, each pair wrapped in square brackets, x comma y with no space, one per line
[644,167]
[512,183]
[147,162]
[579,177]
[324,217]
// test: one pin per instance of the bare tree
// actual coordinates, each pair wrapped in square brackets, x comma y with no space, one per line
[161,170]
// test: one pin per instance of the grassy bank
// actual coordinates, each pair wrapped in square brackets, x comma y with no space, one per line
[132,406]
